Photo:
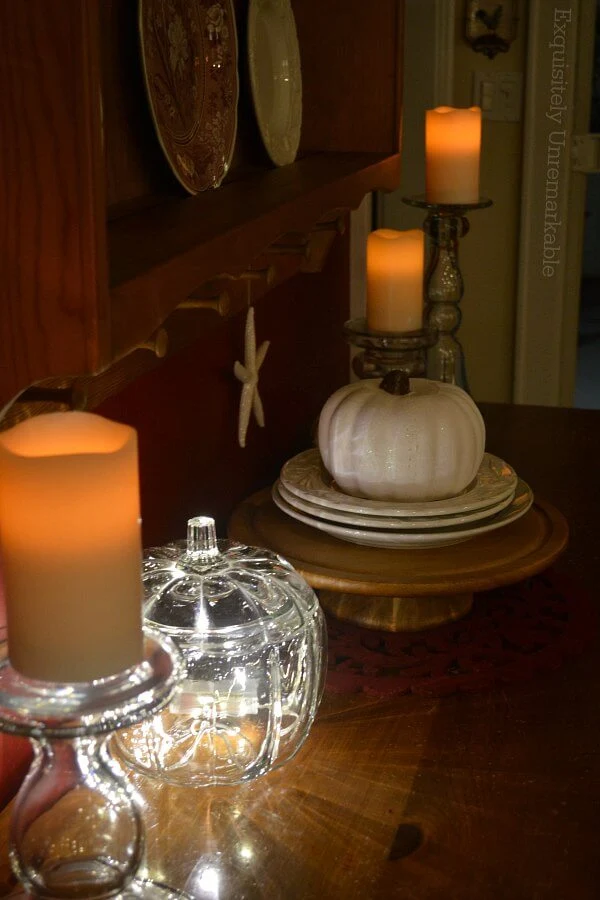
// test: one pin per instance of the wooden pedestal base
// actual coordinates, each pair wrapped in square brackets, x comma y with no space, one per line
[403,590]
[396,613]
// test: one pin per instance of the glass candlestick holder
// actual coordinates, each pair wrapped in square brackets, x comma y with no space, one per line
[444,225]
[384,351]
[76,828]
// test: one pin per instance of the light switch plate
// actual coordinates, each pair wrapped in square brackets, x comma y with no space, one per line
[500,95]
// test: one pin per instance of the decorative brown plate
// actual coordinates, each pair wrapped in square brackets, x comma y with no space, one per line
[189,56]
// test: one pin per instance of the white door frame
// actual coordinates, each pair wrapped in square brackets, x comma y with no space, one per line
[559,66]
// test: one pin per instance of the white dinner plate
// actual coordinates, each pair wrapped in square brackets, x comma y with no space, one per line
[390,523]
[275,77]
[306,477]
[436,537]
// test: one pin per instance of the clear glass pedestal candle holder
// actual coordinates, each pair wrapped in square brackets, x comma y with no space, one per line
[76,828]
[385,351]
[444,225]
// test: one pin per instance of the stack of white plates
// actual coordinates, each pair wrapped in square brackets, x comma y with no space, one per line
[496,497]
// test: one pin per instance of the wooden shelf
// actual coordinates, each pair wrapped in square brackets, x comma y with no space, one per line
[101,246]
[158,257]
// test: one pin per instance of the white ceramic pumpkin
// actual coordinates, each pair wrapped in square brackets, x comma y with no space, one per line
[401,439]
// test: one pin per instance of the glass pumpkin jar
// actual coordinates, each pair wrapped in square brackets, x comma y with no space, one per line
[253,637]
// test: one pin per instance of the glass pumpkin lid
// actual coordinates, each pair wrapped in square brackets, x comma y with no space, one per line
[222,591]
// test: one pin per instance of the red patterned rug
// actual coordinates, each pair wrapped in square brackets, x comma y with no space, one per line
[510,634]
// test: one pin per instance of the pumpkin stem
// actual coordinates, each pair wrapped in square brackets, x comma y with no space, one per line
[396,382]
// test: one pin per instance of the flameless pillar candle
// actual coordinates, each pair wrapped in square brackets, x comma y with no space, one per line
[71,546]
[395,262]
[452,150]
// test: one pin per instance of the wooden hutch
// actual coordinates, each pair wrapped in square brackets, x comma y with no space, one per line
[100,246]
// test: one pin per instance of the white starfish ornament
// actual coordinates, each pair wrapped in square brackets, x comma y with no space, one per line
[248,375]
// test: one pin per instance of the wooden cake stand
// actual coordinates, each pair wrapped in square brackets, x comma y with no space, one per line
[403,590]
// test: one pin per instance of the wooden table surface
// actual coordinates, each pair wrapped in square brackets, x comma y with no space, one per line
[475,796]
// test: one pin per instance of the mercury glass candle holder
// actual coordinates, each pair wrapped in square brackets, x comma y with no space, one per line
[444,225]
[253,637]
[384,351]
[76,827]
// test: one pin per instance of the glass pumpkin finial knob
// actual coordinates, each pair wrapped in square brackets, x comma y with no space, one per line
[202,538]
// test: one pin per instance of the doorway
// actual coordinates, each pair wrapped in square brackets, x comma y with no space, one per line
[587,382]
[558,154]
